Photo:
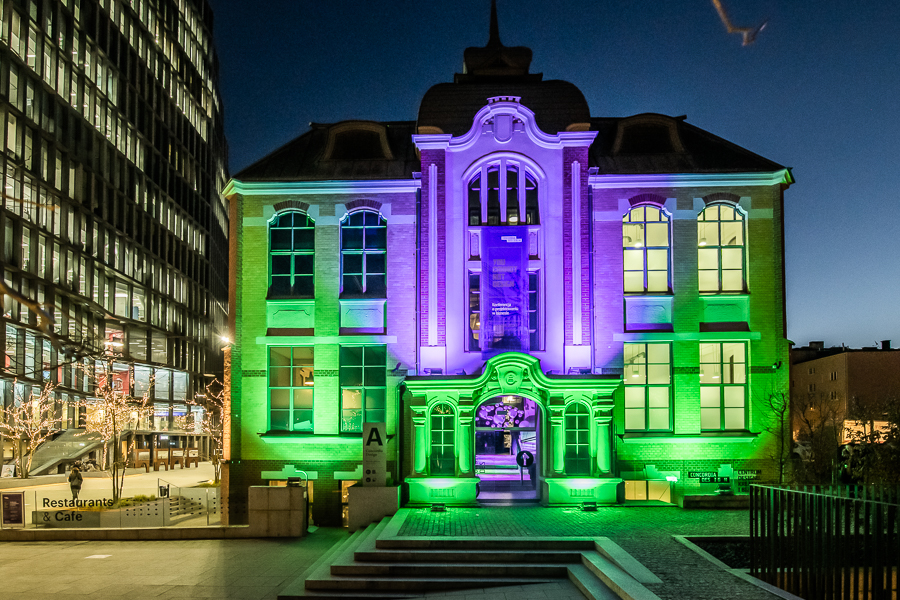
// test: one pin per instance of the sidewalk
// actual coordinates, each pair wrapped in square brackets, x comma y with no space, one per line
[135,479]
[253,569]
[250,569]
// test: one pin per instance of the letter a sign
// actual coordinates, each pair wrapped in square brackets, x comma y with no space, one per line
[374,454]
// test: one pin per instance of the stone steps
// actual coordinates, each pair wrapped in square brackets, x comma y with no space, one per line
[376,563]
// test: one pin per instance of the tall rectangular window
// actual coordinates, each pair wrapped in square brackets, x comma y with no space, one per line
[645,248]
[474,311]
[533,313]
[648,387]
[578,435]
[291,388]
[292,240]
[534,323]
[723,386]
[720,241]
[364,255]
[363,380]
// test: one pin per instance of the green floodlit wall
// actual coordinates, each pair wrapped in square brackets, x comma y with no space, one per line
[327,456]
[768,358]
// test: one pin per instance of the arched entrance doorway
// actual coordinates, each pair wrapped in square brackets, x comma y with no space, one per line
[507,448]
[569,420]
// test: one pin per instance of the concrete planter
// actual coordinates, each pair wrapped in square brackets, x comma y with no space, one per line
[371,504]
[278,511]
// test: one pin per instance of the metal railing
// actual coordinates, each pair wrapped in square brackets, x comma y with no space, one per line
[827,542]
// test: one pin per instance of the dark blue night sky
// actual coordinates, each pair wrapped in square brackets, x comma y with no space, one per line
[819,92]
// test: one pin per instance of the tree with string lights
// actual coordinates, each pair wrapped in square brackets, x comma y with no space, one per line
[213,423]
[28,423]
[112,412]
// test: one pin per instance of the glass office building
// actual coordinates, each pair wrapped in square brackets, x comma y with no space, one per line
[112,159]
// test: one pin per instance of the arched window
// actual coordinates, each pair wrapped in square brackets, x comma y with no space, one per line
[645,245]
[442,438]
[577,456]
[363,255]
[292,242]
[508,190]
[720,240]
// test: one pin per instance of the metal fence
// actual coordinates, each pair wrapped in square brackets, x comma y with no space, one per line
[827,542]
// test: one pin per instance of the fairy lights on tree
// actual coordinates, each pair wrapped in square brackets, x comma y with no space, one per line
[213,423]
[29,422]
[113,411]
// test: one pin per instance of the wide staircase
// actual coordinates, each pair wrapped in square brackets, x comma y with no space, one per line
[375,563]
[64,448]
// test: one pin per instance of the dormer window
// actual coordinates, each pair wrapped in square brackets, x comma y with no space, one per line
[503,193]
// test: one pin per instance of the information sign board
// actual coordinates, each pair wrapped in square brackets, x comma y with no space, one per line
[12,505]
[374,454]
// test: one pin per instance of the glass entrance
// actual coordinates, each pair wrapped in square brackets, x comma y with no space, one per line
[506,429]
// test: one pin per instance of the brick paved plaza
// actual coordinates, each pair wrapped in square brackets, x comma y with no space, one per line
[645,532]
[254,569]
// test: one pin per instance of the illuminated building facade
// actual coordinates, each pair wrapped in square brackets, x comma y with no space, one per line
[507,278]
[113,156]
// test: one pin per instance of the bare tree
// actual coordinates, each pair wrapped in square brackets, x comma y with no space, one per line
[817,423]
[28,423]
[113,411]
[873,455]
[777,406]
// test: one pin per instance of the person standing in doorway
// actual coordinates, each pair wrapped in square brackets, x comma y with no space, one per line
[75,480]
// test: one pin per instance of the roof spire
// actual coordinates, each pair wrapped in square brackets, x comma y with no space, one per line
[494,38]
[494,59]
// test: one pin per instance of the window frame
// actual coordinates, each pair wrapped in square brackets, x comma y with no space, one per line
[473,303]
[363,387]
[292,253]
[722,385]
[446,450]
[364,254]
[291,408]
[643,369]
[482,201]
[580,465]
[645,249]
[721,249]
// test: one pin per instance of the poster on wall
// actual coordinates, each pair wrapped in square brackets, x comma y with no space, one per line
[12,507]
[504,291]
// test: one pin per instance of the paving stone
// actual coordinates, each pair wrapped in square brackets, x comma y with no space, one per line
[644,532]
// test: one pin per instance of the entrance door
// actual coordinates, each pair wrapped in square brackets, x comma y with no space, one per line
[506,427]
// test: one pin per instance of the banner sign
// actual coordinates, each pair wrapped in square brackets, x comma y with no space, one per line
[504,290]
[374,454]
[12,505]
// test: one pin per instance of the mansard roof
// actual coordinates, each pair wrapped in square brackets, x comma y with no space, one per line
[365,150]
[654,143]
[350,150]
